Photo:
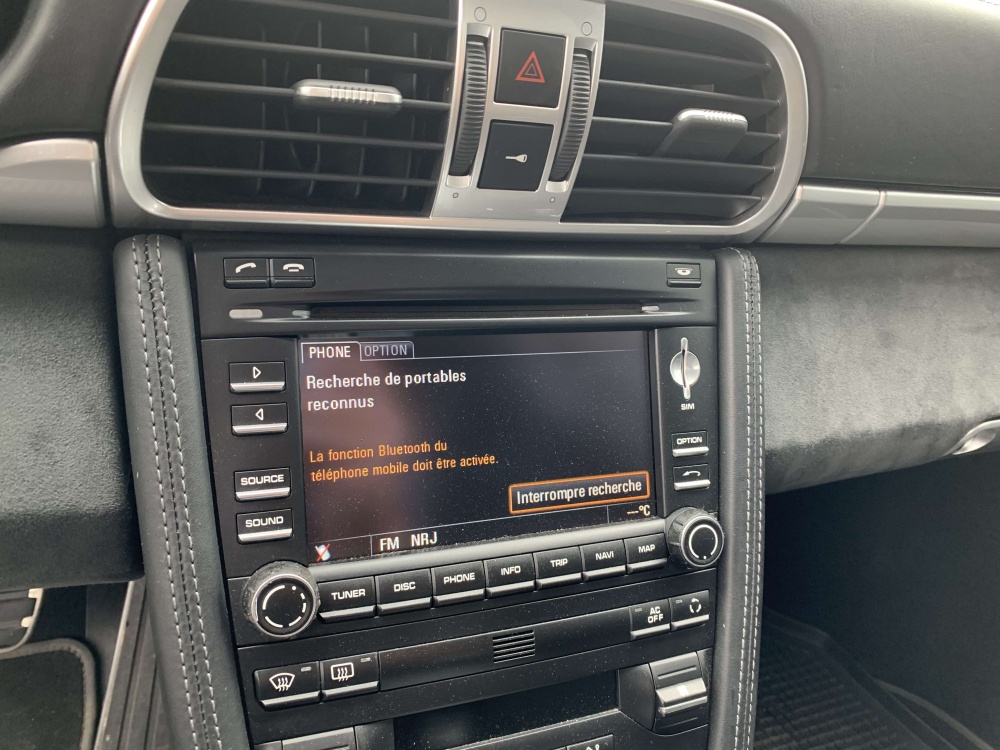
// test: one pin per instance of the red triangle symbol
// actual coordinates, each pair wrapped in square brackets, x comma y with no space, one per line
[531,71]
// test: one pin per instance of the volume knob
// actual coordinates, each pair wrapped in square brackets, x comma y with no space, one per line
[694,538]
[281,599]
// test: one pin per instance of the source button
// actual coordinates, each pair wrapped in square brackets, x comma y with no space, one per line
[263,484]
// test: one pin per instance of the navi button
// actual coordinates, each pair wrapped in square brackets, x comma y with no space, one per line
[603,560]
[558,567]
[510,575]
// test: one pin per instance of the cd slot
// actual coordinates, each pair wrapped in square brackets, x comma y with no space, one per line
[470,310]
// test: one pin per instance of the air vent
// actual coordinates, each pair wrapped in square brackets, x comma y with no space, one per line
[514,644]
[687,124]
[292,105]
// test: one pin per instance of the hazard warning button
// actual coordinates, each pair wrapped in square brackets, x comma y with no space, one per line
[531,67]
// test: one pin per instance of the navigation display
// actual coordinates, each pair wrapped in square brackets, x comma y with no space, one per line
[435,440]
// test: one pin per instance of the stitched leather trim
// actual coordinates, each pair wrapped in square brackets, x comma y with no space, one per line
[169,461]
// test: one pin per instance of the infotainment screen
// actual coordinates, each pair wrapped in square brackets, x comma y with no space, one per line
[434,440]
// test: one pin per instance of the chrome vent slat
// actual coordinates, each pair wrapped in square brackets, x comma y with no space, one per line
[210,130]
[602,170]
[659,69]
[345,11]
[624,60]
[598,203]
[271,174]
[239,89]
[647,101]
[619,135]
[224,128]
[362,58]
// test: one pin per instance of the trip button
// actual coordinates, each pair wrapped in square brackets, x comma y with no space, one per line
[464,582]
[645,553]
[603,560]
[293,272]
[402,592]
[280,687]
[689,444]
[690,609]
[256,377]
[245,272]
[558,567]
[515,156]
[262,484]
[531,68]
[350,675]
[347,600]
[260,419]
[650,619]
[510,575]
[268,526]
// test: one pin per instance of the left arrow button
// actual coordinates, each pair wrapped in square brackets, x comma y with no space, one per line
[260,419]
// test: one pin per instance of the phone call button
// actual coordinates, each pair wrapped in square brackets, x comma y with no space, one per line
[245,272]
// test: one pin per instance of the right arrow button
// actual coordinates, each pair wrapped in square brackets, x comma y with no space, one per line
[256,377]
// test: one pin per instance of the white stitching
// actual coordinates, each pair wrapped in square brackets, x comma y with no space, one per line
[184,587]
[746,571]
[759,562]
[159,482]
[184,495]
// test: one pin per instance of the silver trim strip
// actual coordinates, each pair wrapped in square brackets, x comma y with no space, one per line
[691,621]
[260,386]
[289,700]
[133,205]
[260,429]
[553,581]
[335,615]
[694,484]
[595,575]
[646,632]
[364,687]
[268,494]
[264,536]
[459,596]
[510,588]
[699,450]
[404,606]
[52,182]
[638,567]
[822,215]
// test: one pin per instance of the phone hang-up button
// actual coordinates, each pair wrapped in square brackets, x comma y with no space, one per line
[293,272]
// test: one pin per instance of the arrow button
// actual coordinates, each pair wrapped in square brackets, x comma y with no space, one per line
[260,419]
[256,377]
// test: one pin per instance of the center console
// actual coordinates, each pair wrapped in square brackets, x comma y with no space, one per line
[475,498]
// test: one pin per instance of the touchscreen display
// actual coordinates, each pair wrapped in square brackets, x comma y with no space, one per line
[435,440]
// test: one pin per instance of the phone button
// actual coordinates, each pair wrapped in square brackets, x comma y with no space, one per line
[291,272]
[245,272]
[692,477]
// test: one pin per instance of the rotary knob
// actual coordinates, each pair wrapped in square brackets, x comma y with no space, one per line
[281,599]
[694,538]
[685,368]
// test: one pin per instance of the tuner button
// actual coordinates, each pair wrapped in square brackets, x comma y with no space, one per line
[694,538]
[281,599]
